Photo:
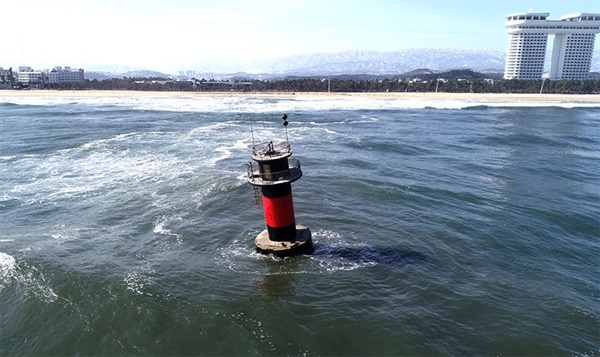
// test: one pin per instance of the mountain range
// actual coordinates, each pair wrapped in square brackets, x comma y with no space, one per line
[354,62]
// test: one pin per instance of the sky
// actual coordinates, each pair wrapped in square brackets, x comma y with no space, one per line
[170,36]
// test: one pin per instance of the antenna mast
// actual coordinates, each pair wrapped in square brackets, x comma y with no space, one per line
[285,124]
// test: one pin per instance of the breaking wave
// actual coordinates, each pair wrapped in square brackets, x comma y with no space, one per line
[27,279]
[289,103]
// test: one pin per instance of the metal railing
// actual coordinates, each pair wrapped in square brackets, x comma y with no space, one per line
[271,149]
[293,173]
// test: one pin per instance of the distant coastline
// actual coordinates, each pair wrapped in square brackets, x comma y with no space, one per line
[509,97]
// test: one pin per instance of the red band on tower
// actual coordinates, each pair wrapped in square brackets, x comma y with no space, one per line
[279,212]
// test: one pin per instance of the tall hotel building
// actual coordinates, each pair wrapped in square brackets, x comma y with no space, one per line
[572,50]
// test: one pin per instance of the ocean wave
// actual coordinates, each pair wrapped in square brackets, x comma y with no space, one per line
[95,167]
[8,104]
[28,278]
[287,104]
[165,237]
[334,253]
[136,282]
[225,151]
[7,269]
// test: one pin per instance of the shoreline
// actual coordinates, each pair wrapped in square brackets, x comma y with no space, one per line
[509,97]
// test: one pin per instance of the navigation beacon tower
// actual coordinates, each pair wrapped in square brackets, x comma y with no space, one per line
[273,170]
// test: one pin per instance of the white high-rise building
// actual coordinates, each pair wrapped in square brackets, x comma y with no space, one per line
[572,50]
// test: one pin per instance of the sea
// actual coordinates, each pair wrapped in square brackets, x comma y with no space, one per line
[441,228]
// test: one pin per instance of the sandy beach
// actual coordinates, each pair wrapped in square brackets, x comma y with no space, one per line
[578,98]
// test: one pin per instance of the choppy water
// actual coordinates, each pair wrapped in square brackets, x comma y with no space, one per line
[440,228]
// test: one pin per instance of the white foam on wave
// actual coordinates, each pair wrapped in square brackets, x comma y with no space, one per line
[159,227]
[88,170]
[326,243]
[285,104]
[138,281]
[241,257]
[64,233]
[30,279]
[226,151]
[163,231]
[7,268]
[590,154]
[135,283]
[214,127]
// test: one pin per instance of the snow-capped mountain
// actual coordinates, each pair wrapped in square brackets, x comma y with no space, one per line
[363,62]
[353,62]
[373,62]
[378,63]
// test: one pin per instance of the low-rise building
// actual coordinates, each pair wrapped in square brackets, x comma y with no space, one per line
[6,78]
[57,75]
[29,76]
[5,74]
[65,75]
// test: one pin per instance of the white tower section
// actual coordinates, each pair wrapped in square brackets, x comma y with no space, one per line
[526,45]
[574,46]
[572,50]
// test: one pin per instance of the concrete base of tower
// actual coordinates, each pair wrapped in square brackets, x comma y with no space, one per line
[302,244]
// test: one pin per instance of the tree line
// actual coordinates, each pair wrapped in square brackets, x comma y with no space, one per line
[591,86]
